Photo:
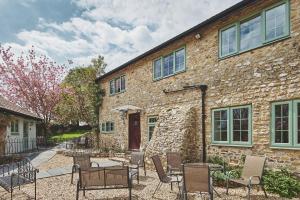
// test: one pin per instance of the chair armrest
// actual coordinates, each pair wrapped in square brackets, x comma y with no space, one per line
[76,167]
[251,177]
[93,162]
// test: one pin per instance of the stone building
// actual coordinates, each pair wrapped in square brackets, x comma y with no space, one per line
[234,79]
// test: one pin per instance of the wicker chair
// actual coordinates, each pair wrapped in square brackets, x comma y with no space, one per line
[82,161]
[174,163]
[104,178]
[17,174]
[196,179]
[136,162]
[163,177]
[251,174]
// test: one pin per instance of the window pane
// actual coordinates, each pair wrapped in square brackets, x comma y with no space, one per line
[179,60]
[228,41]
[236,113]
[276,22]
[278,137]
[236,125]
[152,119]
[251,33]
[224,115]
[224,136]
[112,126]
[285,137]
[244,124]
[151,130]
[118,85]
[157,68]
[103,127]
[123,83]
[107,126]
[112,87]
[168,65]
[220,125]
[236,136]
[244,136]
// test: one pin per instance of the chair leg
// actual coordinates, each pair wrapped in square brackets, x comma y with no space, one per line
[172,186]
[129,193]
[84,191]
[158,186]
[138,176]
[227,186]
[77,191]
[35,189]
[72,175]
[144,169]
[249,191]
[263,188]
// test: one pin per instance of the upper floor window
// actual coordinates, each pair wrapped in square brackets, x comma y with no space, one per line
[285,129]
[14,127]
[267,26]
[169,65]
[117,85]
[232,126]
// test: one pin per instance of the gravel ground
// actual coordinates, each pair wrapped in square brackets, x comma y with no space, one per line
[59,188]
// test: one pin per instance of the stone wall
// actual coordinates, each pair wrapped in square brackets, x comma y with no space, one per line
[257,77]
[176,131]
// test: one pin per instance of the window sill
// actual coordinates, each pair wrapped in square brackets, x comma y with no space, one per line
[179,72]
[107,133]
[233,145]
[258,47]
[285,148]
[115,94]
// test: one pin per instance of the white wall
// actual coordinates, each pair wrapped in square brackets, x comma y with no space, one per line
[17,143]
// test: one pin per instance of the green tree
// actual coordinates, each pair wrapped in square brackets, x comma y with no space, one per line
[82,101]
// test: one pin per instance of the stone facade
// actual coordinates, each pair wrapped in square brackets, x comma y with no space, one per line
[257,77]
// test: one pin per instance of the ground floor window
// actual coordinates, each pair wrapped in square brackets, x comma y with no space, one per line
[14,127]
[285,125]
[232,125]
[151,125]
[107,127]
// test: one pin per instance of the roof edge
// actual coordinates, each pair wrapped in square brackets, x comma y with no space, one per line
[212,19]
[20,114]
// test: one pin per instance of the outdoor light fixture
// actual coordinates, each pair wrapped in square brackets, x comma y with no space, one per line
[198,36]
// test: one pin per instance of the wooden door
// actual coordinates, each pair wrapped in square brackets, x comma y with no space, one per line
[134,137]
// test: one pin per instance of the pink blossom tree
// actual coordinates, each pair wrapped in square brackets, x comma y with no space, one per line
[31,81]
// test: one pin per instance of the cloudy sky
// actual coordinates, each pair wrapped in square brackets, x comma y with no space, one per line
[79,30]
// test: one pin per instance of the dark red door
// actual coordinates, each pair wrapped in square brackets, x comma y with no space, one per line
[134,131]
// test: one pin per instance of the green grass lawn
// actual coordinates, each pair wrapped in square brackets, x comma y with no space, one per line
[67,136]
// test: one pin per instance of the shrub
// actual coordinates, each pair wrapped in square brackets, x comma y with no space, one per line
[282,183]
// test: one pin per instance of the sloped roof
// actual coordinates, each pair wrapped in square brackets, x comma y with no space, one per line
[216,17]
[12,108]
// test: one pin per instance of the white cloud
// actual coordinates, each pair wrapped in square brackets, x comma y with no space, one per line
[100,28]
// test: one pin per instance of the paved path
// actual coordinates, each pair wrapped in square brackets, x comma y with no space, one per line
[43,157]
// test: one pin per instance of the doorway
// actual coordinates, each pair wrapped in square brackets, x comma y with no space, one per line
[134,136]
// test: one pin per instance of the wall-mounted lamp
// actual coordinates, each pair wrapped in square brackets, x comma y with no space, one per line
[198,36]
